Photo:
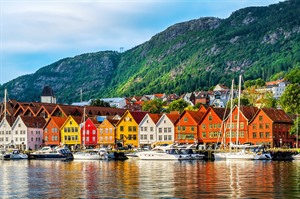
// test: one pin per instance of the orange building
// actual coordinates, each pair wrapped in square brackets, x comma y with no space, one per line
[271,127]
[186,130]
[239,134]
[52,134]
[211,125]
[107,132]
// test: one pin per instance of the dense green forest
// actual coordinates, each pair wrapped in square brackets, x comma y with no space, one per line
[257,42]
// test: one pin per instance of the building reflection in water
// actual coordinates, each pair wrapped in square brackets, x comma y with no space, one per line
[149,179]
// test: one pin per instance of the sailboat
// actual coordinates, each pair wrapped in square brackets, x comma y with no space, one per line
[15,153]
[240,151]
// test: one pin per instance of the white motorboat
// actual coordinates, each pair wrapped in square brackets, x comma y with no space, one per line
[89,154]
[296,157]
[15,154]
[161,154]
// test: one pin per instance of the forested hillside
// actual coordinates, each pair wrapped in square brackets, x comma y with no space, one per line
[257,42]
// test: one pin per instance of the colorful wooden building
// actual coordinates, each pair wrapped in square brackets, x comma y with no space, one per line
[127,128]
[187,127]
[107,132]
[89,133]
[70,132]
[52,128]
[271,127]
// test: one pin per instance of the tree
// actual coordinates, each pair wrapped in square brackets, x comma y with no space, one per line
[296,126]
[293,76]
[178,105]
[268,100]
[289,100]
[153,106]
[101,103]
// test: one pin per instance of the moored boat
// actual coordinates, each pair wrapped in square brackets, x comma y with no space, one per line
[296,156]
[48,153]
[89,154]
[15,154]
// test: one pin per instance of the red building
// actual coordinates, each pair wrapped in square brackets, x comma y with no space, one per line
[89,132]
[271,127]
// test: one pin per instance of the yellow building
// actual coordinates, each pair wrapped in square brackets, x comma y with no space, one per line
[127,128]
[70,131]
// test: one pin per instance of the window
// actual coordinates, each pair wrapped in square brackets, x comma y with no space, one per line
[260,126]
[235,117]
[267,134]
[169,130]
[134,129]
[169,137]
[160,137]
[203,126]
[183,128]
[261,134]
[210,118]
[185,119]
[151,129]
[151,137]
[142,129]
[134,137]
[242,125]
[165,130]
[210,126]
[192,128]
[130,128]
[254,126]
[204,134]
[121,128]
[254,135]
[94,132]
[260,118]
[165,137]
[160,130]
[145,128]
[267,125]
[106,130]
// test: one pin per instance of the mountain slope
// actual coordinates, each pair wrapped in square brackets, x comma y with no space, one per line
[194,55]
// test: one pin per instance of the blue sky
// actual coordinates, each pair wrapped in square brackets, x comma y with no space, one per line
[36,33]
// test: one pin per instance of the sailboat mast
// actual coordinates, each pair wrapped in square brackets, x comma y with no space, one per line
[231,104]
[83,134]
[4,117]
[238,114]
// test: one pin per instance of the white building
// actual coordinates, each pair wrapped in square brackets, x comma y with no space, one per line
[6,132]
[147,129]
[27,132]
[165,128]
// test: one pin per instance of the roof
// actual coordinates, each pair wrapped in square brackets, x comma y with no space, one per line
[47,91]
[277,115]
[154,117]
[59,121]
[248,111]
[138,115]
[173,117]
[221,112]
[33,122]
[195,115]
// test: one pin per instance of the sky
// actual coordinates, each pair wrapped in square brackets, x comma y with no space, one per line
[37,33]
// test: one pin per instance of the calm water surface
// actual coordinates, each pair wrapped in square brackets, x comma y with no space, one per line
[135,178]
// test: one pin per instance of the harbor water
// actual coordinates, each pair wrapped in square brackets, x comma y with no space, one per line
[135,178]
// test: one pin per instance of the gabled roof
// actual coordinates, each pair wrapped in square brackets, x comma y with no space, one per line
[59,121]
[277,115]
[248,111]
[33,122]
[138,115]
[173,117]
[66,110]
[195,115]
[102,111]
[154,117]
